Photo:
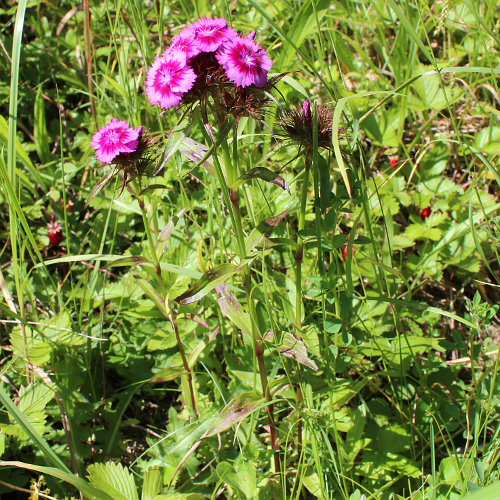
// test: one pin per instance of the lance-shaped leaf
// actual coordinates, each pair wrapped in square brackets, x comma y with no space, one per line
[167,374]
[296,349]
[174,141]
[235,411]
[232,309]
[152,294]
[152,187]
[263,230]
[206,283]
[129,261]
[167,231]
[266,175]
[197,152]
[105,179]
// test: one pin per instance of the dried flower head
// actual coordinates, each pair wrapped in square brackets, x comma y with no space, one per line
[114,138]
[297,125]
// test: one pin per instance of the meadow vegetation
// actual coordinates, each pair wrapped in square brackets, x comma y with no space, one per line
[287,287]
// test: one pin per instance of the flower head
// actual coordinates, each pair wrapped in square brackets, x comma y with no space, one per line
[210,34]
[245,62]
[114,138]
[298,124]
[169,77]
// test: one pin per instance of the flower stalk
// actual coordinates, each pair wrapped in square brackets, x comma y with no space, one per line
[185,364]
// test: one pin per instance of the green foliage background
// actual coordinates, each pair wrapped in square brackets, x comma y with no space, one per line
[392,391]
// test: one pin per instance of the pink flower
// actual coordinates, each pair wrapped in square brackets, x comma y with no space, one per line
[211,33]
[168,78]
[185,42]
[244,62]
[115,138]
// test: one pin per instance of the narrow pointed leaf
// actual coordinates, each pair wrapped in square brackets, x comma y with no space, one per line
[100,185]
[197,152]
[266,175]
[232,309]
[132,260]
[296,349]
[40,128]
[206,283]
[152,187]
[152,294]
[235,411]
[263,231]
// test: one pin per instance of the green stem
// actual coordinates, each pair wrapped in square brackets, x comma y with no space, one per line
[149,235]
[185,364]
[299,255]
[234,196]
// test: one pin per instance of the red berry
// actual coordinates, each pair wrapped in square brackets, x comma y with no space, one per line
[425,213]
[393,161]
[55,233]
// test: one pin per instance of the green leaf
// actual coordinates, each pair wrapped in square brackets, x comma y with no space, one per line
[235,411]
[491,492]
[30,345]
[132,260]
[313,485]
[79,483]
[296,349]
[266,175]
[32,402]
[241,476]
[150,291]
[153,484]
[25,424]
[206,283]
[263,231]
[232,309]
[197,152]
[488,140]
[431,91]
[304,23]
[40,131]
[113,479]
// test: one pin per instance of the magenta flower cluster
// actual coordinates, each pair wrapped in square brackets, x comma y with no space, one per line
[170,76]
[206,52]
